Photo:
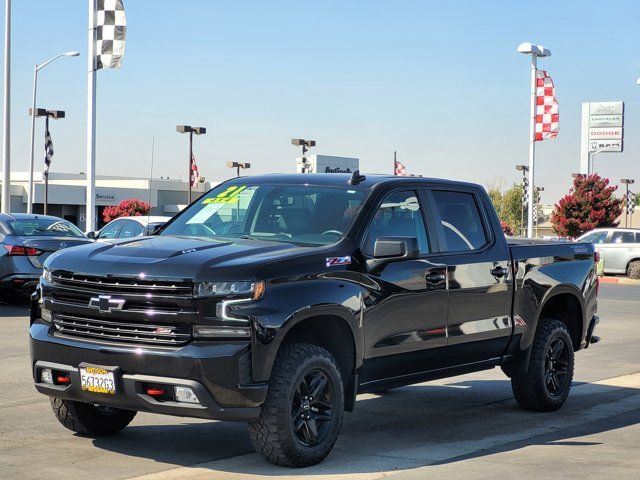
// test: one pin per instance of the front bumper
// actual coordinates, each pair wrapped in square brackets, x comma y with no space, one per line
[218,372]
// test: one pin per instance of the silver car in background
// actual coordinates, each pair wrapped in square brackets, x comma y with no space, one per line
[619,249]
[27,240]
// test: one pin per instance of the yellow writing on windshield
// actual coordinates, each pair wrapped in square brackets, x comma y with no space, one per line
[230,195]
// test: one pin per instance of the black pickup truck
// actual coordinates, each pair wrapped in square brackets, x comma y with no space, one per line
[276,299]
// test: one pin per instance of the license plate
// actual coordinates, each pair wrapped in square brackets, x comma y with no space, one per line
[97,380]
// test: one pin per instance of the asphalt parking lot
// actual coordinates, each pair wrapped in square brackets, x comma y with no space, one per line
[467,427]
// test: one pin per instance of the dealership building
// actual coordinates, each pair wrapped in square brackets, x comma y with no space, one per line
[67,194]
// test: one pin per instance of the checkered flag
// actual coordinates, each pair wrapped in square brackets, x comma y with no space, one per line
[399,168]
[48,147]
[631,203]
[195,175]
[547,112]
[111,29]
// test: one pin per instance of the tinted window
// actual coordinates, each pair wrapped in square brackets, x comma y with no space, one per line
[130,229]
[623,237]
[463,229]
[111,230]
[595,237]
[44,227]
[304,214]
[399,215]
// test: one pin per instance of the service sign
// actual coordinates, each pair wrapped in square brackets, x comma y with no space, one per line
[605,120]
[606,108]
[605,133]
[605,145]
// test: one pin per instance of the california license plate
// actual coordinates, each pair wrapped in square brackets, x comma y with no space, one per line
[97,380]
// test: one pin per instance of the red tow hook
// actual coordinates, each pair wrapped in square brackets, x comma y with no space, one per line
[155,392]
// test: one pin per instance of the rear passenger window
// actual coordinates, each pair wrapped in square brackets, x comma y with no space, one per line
[461,221]
[623,237]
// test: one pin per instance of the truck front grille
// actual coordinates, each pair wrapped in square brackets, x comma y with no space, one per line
[122,285]
[120,331]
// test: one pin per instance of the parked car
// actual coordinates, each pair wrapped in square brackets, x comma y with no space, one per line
[129,227]
[27,241]
[332,285]
[619,249]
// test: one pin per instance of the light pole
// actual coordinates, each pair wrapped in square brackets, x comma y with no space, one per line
[305,144]
[538,195]
[190,130]
[535,51]
[6,133]
[36,69]
[238,166]
[524,169]
[627,207]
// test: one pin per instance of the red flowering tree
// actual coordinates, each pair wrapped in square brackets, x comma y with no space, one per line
[590,204]
[126,208]
[506,228]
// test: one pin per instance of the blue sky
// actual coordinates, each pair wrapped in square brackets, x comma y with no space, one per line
[440,82]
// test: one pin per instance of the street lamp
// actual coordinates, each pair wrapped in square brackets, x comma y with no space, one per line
[36,69]
[190,130]
[238,166]
[628,207]
[305,144]
[56,115]
[524,169]
[535,51]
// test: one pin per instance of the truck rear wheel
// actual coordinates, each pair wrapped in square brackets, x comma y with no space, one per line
[546,384]
[89,419]
[302,414]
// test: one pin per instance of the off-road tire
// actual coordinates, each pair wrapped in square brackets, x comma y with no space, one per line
[88,419]
[272,433]
[633,269]
[531,389]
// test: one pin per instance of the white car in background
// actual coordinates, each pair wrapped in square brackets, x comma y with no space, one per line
[129,227]
[619,249]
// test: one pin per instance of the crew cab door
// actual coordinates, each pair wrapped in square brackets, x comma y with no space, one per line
[405,314]
[480,279]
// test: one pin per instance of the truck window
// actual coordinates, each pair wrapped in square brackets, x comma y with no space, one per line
[461,221]
[399,215]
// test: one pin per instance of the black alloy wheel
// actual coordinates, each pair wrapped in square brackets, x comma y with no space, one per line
[312,408]
[556,366]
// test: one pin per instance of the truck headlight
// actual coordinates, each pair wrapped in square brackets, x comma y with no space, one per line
[46,274]
[253,290]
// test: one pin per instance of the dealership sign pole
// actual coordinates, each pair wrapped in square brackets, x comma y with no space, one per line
[602,131]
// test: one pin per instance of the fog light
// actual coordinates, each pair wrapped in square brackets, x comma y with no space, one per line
[185,395]
[46,315]
[46,376]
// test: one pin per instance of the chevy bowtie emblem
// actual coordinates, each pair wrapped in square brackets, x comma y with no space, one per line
[106,304]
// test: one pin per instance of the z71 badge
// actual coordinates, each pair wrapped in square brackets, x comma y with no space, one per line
[334,261]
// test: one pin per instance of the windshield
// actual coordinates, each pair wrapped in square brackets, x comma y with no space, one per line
[44,227]
[304,214]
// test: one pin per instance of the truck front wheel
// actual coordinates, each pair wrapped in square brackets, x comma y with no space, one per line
[546,384]
[88,419]
[302,414]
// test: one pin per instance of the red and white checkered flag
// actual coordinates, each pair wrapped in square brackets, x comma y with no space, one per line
[547,113]
[399,168]
[194,171]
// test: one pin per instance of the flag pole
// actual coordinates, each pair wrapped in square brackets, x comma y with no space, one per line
[90,224]
[394,162]
[6,137]
[532,146]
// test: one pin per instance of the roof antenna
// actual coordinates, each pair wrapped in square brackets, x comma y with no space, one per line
[356,178]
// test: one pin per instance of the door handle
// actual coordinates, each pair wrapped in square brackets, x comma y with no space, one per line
[435,277]
[499,272]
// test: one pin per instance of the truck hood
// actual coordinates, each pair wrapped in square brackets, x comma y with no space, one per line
[192,258]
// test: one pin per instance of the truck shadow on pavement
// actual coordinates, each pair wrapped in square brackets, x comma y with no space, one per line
[399,430]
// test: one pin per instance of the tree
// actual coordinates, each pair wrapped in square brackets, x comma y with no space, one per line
[590,204]
[127,208]
[508,205]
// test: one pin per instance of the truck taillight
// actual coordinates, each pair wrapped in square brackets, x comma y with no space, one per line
[20,251]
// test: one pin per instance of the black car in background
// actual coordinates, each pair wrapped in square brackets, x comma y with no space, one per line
[27,240]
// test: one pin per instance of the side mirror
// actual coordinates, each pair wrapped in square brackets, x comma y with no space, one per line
[394,249]
[92,235]
[154,230]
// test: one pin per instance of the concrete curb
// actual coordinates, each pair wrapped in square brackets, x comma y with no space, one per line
[620,280]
